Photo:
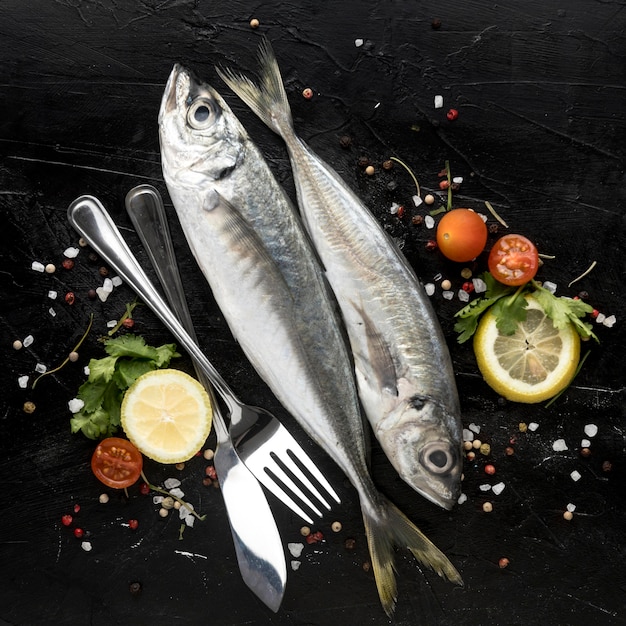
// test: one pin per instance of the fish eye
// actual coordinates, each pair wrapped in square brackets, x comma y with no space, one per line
[437,458]
[201,114]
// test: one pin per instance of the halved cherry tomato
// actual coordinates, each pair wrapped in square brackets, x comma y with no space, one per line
[117,463]
[513,260]
[461,235]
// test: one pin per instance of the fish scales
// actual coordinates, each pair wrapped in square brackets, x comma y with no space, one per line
[244,233]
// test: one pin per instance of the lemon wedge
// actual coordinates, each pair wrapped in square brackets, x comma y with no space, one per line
[167,414]
[532,365]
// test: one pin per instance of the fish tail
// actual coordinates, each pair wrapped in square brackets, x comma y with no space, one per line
[267,99]
[389,527]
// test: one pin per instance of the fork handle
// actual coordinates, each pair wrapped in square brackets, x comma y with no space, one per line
[91,220]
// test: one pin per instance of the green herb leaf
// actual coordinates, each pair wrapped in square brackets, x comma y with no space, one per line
[131,346]
[509,312]
[91,393]
[102,369]
[165,353]
[129,370]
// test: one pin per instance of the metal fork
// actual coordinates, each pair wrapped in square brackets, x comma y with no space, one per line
[262,442]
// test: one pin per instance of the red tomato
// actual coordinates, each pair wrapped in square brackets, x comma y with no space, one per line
[461,235]
[117,462]
[513,260]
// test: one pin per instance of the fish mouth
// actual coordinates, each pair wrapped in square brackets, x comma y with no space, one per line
[181,88]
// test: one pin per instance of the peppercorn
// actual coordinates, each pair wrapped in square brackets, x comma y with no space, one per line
[104,498]
[431,245]
[29,407]
[17,345]
[73,356]
[487,507]
[70,298]
[583,295]
[429,198]
[466,273]
[452,114]
[78,533]
[493,228]
[103,271]
[129,322]
[446,285]
[503,562]
[607,466]
[133,524]
[363,161]
[471,455]
[305,531]
[210,472]
[92,294]
[93,257]
[436,24]
[209,454]
[490,469]
[443,184]
[369,170]
[254,23]
[568,516]
[485,449]
[179,466]
[345,141]
[168,503]
[350,543]
[134,588]
[144,489]
[476,444]
[585,452]
[163,512]
[367,566]
[50,268]
[307,93]
[68,264]
[467,445]
[67,520]
[82,242]
[336,527]
[388,164]
[207,482]
[417,220]
[509,451]
[468,286]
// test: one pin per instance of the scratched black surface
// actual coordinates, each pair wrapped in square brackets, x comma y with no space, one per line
[539,87]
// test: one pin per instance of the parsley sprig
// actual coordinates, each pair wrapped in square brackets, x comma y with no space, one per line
[109,377]
[508,305]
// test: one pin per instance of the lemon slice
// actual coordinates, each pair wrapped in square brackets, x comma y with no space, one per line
[167,414]
[532,365]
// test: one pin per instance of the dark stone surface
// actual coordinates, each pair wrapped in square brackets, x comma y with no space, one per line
[539,87]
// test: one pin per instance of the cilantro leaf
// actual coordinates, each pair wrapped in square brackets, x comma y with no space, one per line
[131,346]
[509,312]
[91,393]
[129,370]
[102,369]
[165,353]
[93,425]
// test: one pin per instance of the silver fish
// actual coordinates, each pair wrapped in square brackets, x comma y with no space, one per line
[403,368]
[249,243]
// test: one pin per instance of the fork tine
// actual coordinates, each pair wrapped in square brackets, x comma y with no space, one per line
[296,451]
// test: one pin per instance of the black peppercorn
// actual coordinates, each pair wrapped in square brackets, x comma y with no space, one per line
[135,588]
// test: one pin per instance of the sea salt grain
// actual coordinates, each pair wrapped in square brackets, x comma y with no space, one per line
[295,549]
[448,295]
[52,295]
[591,430]
[71,253]
[417,200]
[22,381]
[480,286]
[177,492]
[111,323]
[462,498]
[86,546]
[40,368]
[485,487]
[438,102]
[429,288]
[575,476]
[475,428]
[116,281]
[107,285]
[609,322]
[571,507]
[170,483]
[37,266]
[463,295]
[52,312]
[75,405]
[533,426]
[28,341]
[559,445]
[429,221]
[600,319]
[457,179]
[585,443]
[295,565]
[468,435]
[550,286]
[498,488]
[358,43]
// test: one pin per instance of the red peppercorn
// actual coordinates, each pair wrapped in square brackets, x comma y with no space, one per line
[503,562]
[66,520]
[129,322]
[468,286]
[431,245]
[307,93]
[210,472]
[400,211]
[443,184]
[144,489]
[595,313]
[78,533]
[68,264]
[76,508]
[70,298]
[490,469]
[452,114]
[133,524]
[315,537]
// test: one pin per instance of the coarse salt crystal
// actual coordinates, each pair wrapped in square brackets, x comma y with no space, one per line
[71,253]
[591,430]
[40,368]
[575,476]
[600,319]
[75,405]
[116,281]
[417,200]
[393,209]
[190,520]
[585,443]
[485,487]
[533,426]
[475,428]
[559,445]
[86,370]
[462,498]
[438,102]
[429,221]
[177,492]
[157,499]
[358,43]
[185,510]
[448,295]
[550,286]
[498,488]
[170,483]
[480,286]
[52,295]
[86,546]
[571,507]
[483,217]
[111,323]
[438,276]
[22,381]
[429,288]
[102,294]
[37,266]
[52,312]
[468,435]
[463,295]
[609,322]
[28,341]
[457,179]
[107,285]
[295,549]
[295,565]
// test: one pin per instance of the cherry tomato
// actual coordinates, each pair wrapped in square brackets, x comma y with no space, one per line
[117,463]
[461,235]
[513,260]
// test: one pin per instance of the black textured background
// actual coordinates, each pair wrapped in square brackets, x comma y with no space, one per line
[540,90]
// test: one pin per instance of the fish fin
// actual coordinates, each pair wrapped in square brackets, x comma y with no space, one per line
[392,528]
[267,99]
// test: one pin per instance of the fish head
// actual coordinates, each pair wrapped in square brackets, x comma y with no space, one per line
[202,141]
[424,436]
